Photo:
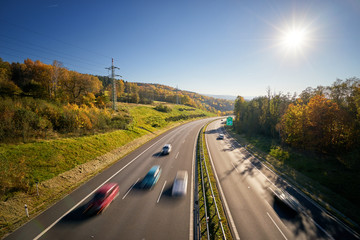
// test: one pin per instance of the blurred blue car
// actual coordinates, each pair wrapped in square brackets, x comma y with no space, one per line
[151,177]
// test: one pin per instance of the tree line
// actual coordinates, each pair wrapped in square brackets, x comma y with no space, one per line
[321,119]
[39,100]
[56,83]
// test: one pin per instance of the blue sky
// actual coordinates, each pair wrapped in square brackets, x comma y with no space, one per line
[224,47]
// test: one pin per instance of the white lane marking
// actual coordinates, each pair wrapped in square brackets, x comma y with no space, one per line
[177,155]
[161,193]
[130,189]
[235,167]
[82,200]
[223,195]
[276,225]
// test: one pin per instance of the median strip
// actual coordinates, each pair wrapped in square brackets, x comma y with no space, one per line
[212,221]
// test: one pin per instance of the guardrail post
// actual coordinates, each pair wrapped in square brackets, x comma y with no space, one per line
[26,211]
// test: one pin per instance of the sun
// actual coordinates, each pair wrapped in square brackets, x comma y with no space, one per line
[294,40]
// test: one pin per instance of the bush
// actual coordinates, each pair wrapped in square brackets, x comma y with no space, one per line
[121,121]
[163,108]
[24,119]
[279,153]
[155,121]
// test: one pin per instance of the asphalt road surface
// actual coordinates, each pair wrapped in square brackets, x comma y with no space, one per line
[252,210]
[136,213]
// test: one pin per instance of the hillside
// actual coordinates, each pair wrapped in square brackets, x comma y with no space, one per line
[147,93]
[60,165]
[56,83]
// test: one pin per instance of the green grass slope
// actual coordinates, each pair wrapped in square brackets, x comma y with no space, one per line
[60,165]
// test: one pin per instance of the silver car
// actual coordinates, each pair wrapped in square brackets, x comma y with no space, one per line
[180,184]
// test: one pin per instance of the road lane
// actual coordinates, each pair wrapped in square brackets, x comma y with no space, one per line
[246,191]
[238,170]
[141,214]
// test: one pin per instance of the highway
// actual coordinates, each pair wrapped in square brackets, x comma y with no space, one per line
[136,213]
[154,214]
[252,212]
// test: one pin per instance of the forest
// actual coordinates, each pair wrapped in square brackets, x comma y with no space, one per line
[40,100]
[325,120]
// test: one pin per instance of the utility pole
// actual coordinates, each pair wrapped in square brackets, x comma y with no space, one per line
[114,94]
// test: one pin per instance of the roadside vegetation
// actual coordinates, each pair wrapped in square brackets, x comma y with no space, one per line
[215,231]
[56,166]
[311,139]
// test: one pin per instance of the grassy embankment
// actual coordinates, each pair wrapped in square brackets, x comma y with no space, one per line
[324,179]
[215,230]
[61,165]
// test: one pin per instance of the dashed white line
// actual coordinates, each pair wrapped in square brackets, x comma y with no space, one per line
[177,155]
[82,200]
[130,189]
[276,226]
[161,193]
[235,167]
[322,229]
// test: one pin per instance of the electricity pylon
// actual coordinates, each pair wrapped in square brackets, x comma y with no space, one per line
[114,94]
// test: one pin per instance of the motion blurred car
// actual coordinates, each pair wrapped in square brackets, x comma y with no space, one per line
[287,200]
[166,149]
[151,177]
[102,198]
[180,184]
[221,136]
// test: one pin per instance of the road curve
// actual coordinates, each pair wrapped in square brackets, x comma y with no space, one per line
[136,213]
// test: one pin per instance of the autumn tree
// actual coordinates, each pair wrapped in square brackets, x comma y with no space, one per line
[77,85]
[294,124]
[7,87]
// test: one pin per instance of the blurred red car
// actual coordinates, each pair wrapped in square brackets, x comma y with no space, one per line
[102,198]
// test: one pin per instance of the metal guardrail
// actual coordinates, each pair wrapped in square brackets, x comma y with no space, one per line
[202,161]
[202,158]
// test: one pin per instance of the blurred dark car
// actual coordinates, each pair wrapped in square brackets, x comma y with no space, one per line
[102,198]
[221,136]
[285,199]
[151,177]
[166,149]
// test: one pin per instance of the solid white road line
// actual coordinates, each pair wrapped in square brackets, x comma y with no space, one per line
[276,226]
[82,200]
[161,193]
[130,189]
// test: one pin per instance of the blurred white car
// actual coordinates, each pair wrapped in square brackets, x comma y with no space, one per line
[166,149]
[221,136]
[180,184]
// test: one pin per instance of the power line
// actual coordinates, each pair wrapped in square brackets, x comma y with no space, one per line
[48,50]
[38,56]
[55,39]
